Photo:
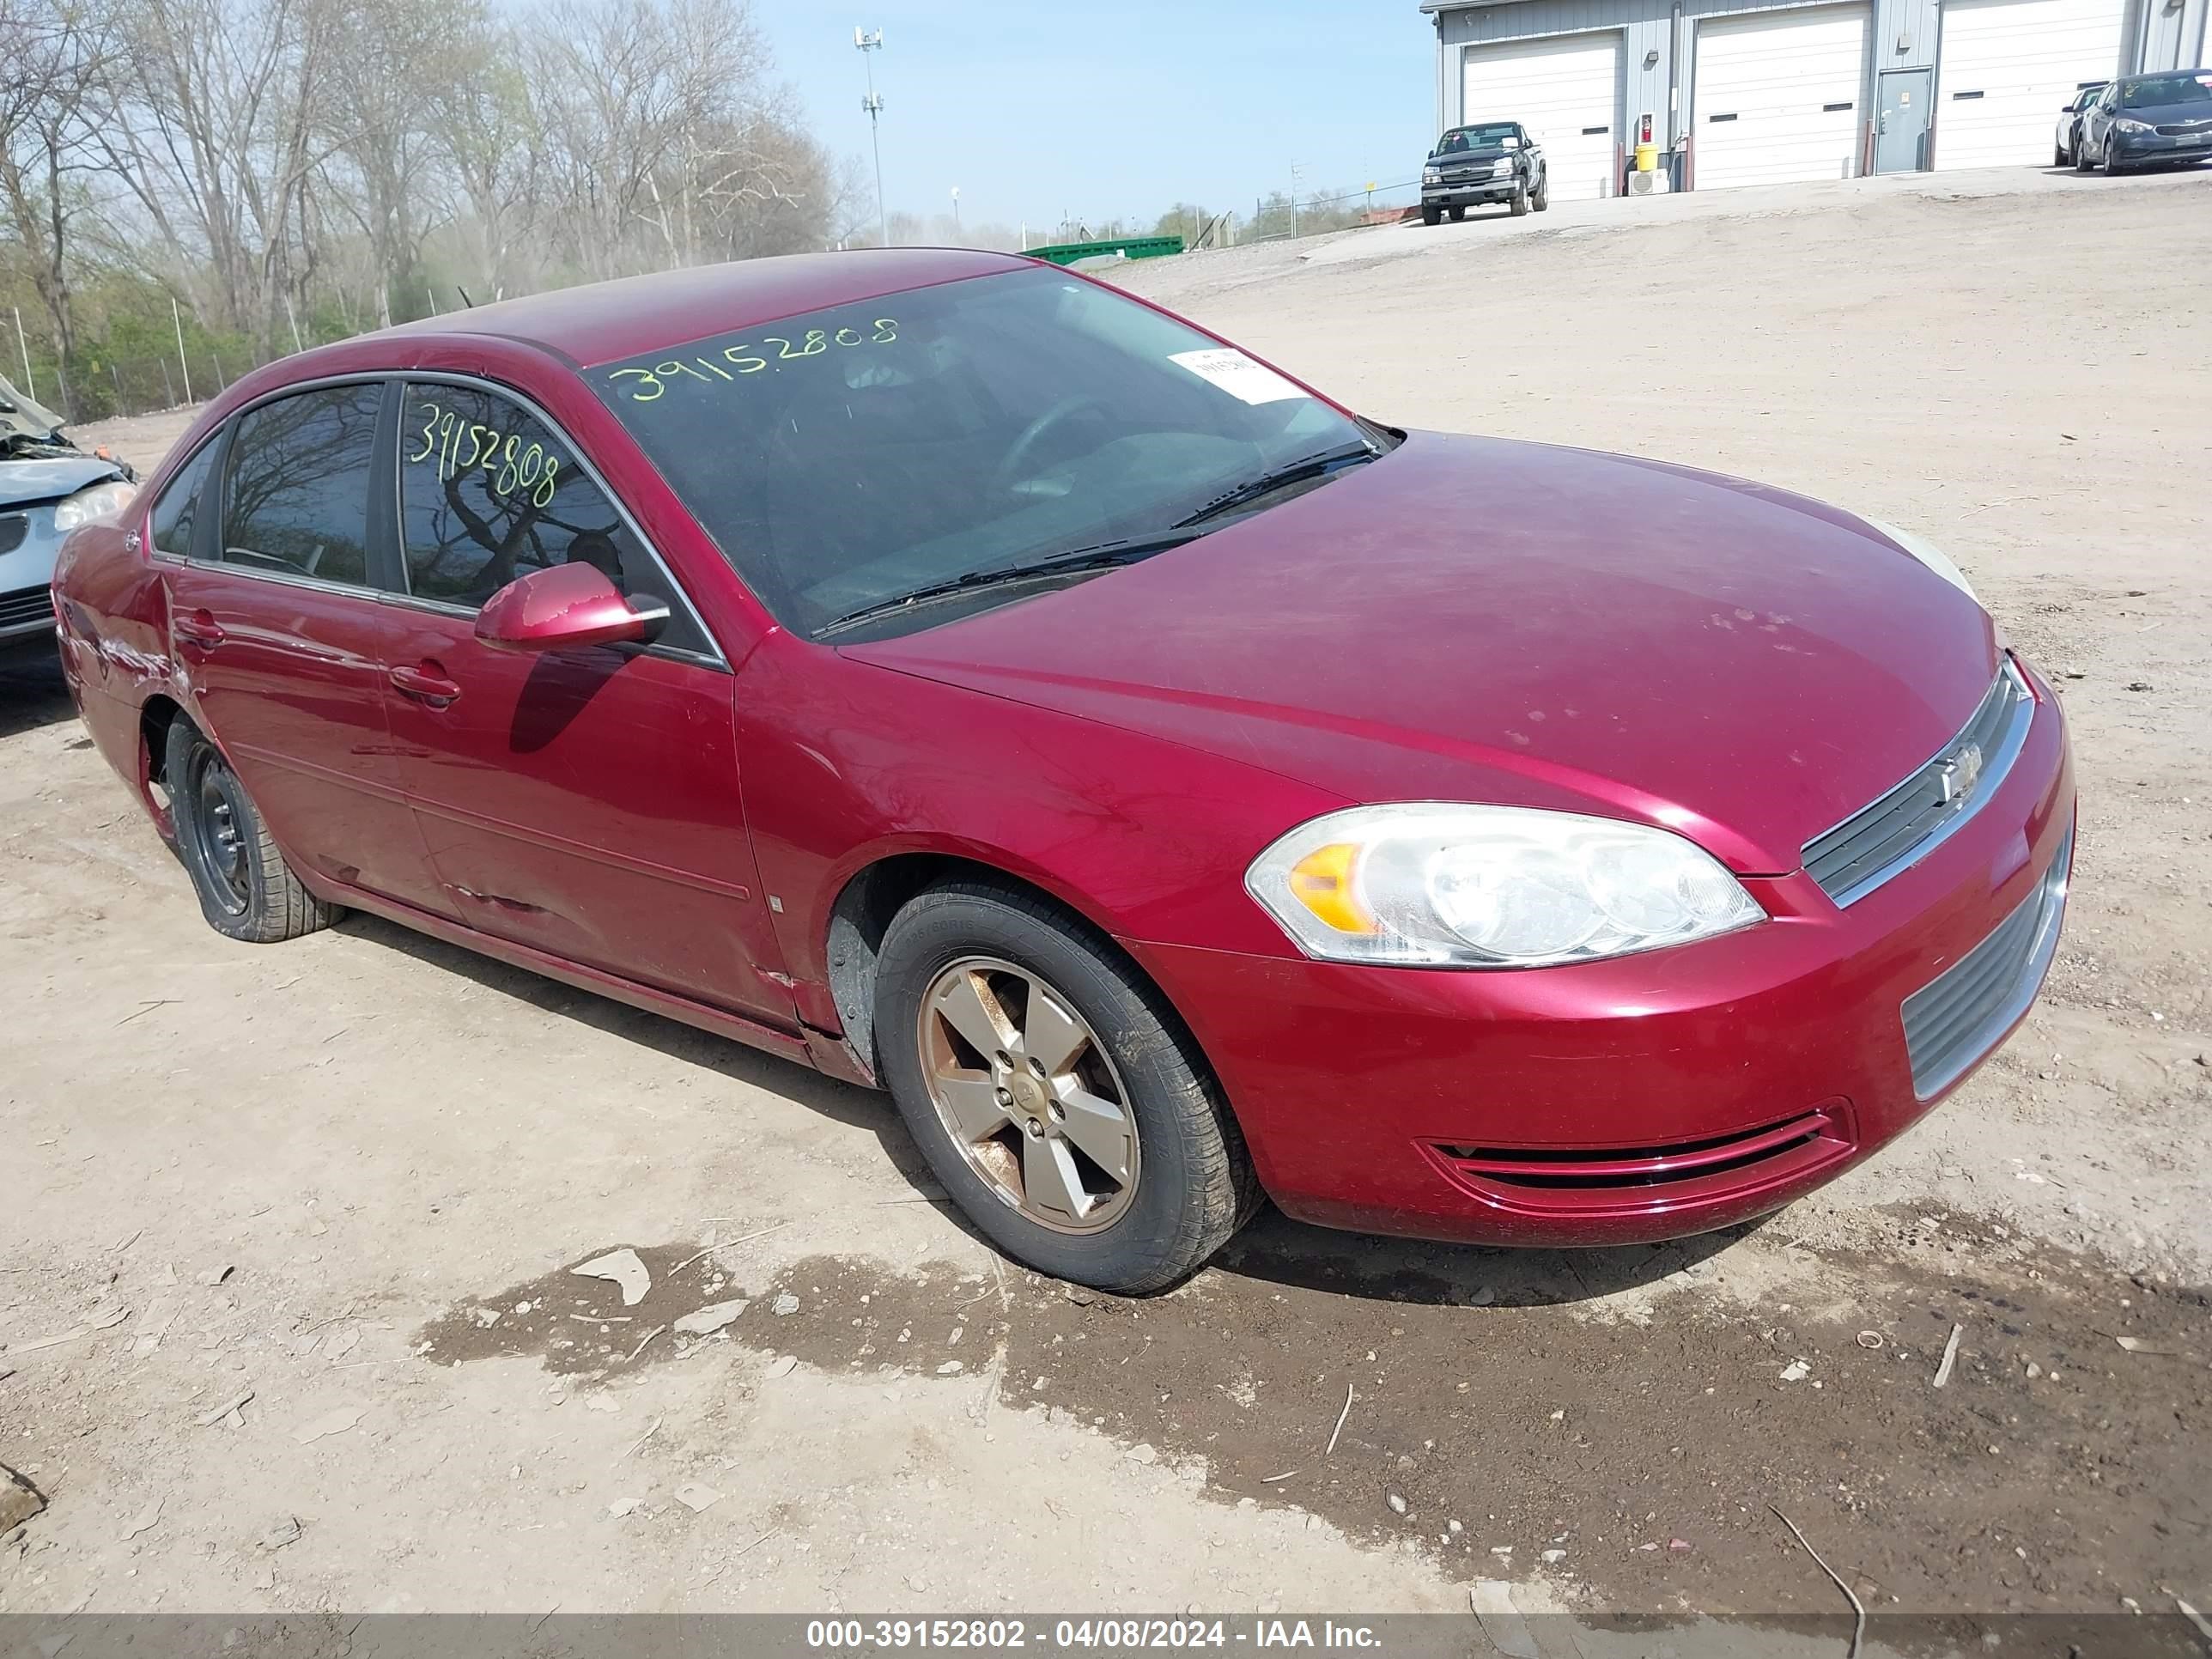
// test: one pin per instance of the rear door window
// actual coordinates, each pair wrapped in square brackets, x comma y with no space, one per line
[488,492]
[176,509]
[296,495]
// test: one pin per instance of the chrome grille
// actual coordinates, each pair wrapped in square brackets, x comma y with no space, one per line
[14,526]
[26,606]
[1957,1016]
[1872,845]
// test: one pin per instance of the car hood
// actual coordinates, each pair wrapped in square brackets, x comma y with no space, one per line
[44,480]
[28,417]
[1474,619]
[2196,113]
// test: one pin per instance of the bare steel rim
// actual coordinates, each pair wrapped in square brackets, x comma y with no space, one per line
[1029,1095]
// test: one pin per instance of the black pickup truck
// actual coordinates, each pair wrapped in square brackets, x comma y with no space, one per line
[1489,162]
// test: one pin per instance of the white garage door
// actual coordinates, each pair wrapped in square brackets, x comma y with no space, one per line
[1565,91]
[2008,67]
[1777,97]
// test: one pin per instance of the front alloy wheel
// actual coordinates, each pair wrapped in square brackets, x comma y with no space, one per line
[1059,1100]
[1028,1094]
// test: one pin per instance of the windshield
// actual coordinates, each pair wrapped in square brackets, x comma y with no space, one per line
[846,457]
[1495,135]
[2159,90]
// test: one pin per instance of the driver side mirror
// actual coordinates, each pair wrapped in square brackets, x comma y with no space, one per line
[565,606]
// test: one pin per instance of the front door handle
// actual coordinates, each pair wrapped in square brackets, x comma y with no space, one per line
[426,683]
[199,629]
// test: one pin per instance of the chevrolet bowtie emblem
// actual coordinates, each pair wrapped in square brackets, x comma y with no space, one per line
[1961,772]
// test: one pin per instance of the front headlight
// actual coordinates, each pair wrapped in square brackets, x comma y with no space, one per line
[1499,169]
[1433,884]
[1928,553]
[96,502]
[2136,127]
[1433,175]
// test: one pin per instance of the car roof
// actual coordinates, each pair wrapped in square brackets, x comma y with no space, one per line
[603,322]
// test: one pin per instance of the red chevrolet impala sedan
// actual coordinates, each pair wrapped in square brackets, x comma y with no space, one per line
[944,671]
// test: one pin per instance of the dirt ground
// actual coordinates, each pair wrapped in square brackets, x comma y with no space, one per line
[343,1181]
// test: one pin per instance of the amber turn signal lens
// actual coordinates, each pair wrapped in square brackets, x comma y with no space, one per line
[1321,881]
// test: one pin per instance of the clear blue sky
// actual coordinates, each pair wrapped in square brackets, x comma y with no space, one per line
[1118,106]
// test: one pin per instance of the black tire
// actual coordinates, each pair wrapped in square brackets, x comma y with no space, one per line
[1540,197]
[1521,199]
[2058,158]
[246,890]
[2080,153]
[2112,165]
[1194,1186]
[1432,216]
[1458,214]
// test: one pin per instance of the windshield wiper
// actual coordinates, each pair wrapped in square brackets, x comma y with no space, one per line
[1101,556]
[1313,466]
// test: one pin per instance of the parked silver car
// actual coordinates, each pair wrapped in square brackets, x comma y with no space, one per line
[2067,145]
[48,487]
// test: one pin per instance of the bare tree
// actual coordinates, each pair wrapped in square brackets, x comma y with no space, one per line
[54,58]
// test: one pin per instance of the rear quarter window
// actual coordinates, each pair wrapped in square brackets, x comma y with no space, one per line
[176,510]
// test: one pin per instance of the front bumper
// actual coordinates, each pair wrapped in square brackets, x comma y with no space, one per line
[1647,1097]
[29,542]
[1471,192]
[2131,148]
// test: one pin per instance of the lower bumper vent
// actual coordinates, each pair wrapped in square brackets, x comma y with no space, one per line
[27,606]
[1642,1178]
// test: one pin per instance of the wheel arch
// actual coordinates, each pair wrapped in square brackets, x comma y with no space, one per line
[872,895]
[156,715]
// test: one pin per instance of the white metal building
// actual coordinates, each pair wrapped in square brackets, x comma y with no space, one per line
[1761,92]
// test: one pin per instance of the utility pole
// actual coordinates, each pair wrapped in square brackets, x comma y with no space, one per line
[868,40]
[176,319]
[955,213]
[1298,173]
[30,385]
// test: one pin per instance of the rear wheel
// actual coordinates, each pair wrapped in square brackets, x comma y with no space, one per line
[2058,155]
[245,888]
[1057,1099]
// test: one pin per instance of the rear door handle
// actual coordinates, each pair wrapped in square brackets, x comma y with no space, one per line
[427,683]
[199,629]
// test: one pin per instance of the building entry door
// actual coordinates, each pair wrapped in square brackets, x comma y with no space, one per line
[1900,124]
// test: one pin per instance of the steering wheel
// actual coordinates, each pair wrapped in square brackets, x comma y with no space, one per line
[1003,477]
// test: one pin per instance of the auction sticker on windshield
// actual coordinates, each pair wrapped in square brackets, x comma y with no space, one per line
[1238,375]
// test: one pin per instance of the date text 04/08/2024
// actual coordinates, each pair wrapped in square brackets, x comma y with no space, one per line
[1089,1634]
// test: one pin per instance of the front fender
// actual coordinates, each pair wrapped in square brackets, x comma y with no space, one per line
[845,763]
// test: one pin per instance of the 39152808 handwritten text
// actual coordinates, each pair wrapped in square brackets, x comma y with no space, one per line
[713,369]
[511,467]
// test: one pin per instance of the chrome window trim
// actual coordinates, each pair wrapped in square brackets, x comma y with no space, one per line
[1994,769]
[477,383]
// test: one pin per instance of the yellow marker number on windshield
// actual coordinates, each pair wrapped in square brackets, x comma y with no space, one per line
[646,385]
